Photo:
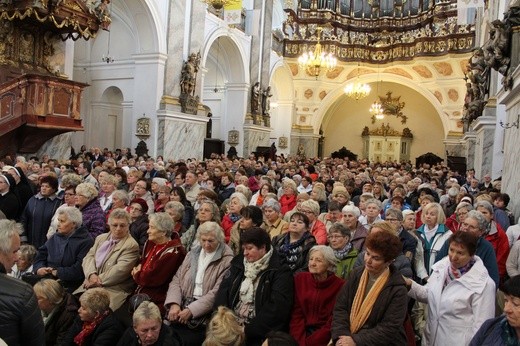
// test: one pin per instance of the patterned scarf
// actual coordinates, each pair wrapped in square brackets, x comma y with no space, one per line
[456,273]
[508,334]
[361,308]
[234,217]
[88,328]
[343,253]
[292,251]
[251,271]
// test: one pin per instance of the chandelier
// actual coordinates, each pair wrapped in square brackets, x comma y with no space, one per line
[357,90]
[217,4]
[313,61]
[376,109]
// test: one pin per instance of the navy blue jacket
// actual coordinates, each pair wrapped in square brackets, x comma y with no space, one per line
[66,254]
[36,218]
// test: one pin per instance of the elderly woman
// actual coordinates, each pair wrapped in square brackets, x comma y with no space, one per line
[132,177]
[318,194]
[62,255]
[505,329]
[496,236]
[192,291]
[88,203]
[457,218]
[311,209]
[176,211]
[178,195]
[69,200]
[237,201]
[459,293]
[161,258]
[108,185]
[163,197]
[147,328]
[258,288]
[9,204]
[120,200]
[345,253]
[251,216]
[224,329]
[25,261]
[372,213]
[371,307]
[59,309]
[433,233]
[96,323]
[318,287]
[293,246]
[138,209]
[110,261]
[357,230]
[288,197]
[273,223]
[142,190]
[208,211]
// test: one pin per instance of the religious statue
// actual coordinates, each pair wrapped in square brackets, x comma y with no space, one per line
[255,98]
[301,151]
[189,74]
[496,50]
[266,106]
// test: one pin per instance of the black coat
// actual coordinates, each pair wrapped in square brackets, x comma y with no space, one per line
[10,205]
[21,322]
[385,324]
[36,218]
[273,297]
[302,262]
[166,338]
[59,323]
[107,333]
[138,230]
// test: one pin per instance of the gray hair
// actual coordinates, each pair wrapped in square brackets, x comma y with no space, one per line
[273,204]
[393,212]
[338,227]
[212,228]
[464,205]
[351,209]
[70,180]
[485,204]
[328,255]
[120,213]
[97,300]
[73,215]
[27,252]
[374,201]
[480,218]
[241,198]
[8,229]
[163,222]
[50,289]
[88,190]
[146,311]
[246,191]
[312,205]
[215,211]
[122,195]
[177,207]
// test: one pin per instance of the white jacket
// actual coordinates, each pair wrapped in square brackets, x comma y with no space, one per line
[456,312]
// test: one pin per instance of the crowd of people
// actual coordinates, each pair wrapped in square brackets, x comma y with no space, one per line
[109,248]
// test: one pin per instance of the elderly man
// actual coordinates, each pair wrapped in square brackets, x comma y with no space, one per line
[477,224]
[22,323]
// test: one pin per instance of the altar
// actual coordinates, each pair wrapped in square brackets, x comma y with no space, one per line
[386,144]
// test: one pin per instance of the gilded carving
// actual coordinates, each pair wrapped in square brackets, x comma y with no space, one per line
[443,68]
[423,71]
[453,95]
[302,118]
[358,72]
[334,72]
[322,95]
[308,93]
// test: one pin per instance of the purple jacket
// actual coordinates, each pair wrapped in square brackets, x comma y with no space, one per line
[94,218]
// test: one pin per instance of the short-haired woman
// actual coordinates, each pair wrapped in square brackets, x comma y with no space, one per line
[24,264]
[208,211]
[191,293]
[161,258]
[251,216]
[176,211]
[316,288]
[258,288]
[88,203]
[148,329]
[59,309]
[273,223]
[96,323]
[371,307]
[237,201]
[311,209]
[345,253]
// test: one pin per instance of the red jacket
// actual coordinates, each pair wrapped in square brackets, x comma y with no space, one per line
[500,244]
[227,224]
[287,203]
[156,274]
[313,305]
[319,231]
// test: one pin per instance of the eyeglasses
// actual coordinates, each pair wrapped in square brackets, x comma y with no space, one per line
[470,227]
[69,194]
[307,212]
[391,219]
[335,237]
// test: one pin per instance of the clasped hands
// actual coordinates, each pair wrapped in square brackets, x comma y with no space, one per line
[175,314]
[92,281]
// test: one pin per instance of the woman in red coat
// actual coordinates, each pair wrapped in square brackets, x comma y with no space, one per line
[162,256]
[314,298]
[288,198]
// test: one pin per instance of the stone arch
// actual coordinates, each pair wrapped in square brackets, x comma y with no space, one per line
[334,95]
[234,65]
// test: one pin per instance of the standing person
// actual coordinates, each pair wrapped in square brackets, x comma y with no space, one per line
[315,296]
[22,323]
[258,288]
[37,215]
[9,203]
[459,293]
[371,307]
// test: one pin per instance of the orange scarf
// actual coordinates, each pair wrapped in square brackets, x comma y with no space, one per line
[362,306]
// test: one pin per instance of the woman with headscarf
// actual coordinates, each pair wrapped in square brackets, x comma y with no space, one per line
[9,203]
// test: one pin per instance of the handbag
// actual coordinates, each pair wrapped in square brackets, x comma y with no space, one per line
[194,323]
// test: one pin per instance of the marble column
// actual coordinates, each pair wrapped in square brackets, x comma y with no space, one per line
[255,136]
[58,147]
[484,128]
[469,144]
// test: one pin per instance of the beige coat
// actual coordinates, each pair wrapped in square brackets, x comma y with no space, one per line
[115,270]
[183,282]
